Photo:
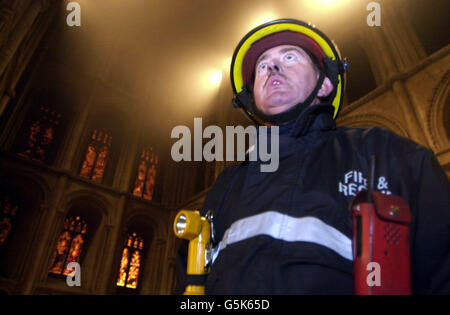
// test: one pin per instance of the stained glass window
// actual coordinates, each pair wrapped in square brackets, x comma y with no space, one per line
[94,163]
[70,245]
[146,175]
[131,262]
[40,134]
[8,212]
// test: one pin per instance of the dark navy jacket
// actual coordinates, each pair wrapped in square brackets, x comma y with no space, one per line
[290,231]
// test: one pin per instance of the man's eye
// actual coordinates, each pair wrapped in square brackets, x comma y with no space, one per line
[262,66]
[289,57]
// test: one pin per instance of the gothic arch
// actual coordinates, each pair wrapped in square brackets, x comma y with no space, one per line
[368,120]
[141,222]
[94,210]
[27,183]
[32,193]
[145,216]
[101,206]
[436,124]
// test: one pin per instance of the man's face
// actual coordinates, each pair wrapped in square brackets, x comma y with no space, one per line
[284,77]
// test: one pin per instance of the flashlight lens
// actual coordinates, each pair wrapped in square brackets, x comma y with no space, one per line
[181,224]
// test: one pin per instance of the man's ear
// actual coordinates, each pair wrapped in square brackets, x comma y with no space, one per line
[326,88]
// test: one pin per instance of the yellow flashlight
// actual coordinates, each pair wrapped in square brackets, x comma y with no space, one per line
[196,229]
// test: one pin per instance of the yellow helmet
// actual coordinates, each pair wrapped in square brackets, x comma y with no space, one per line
[321,49]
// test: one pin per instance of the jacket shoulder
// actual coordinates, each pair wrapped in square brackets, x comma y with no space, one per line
[220,185]
[371,139]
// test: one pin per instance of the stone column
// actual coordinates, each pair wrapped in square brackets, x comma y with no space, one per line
[155,260]
[222,109]
[374,43]
[392,47]
[123,180]
[183,182]
[410,115]
[183,186]
[168,258]
[6,15]
[9,49]
[28,279]
[96,279]
[72,146]
[110,250]
[23,56]
[37,266]
[210,173]
[166,190]
[171,178]
[403,41]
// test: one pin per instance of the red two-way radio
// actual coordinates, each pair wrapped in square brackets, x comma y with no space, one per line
[381,242]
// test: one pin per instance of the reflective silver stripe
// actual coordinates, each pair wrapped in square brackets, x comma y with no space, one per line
[283,227]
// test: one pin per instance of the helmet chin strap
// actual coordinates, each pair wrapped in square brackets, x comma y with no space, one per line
[245,99]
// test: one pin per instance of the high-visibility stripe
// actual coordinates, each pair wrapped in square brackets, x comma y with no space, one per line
[290,229]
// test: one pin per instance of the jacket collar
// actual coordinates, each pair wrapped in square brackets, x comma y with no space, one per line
[317,117]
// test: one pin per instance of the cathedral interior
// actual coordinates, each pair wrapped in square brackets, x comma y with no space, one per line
[89,94]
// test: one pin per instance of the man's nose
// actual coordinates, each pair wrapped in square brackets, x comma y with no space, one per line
[274,66]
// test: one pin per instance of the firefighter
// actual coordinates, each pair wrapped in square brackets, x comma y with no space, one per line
[290,231]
